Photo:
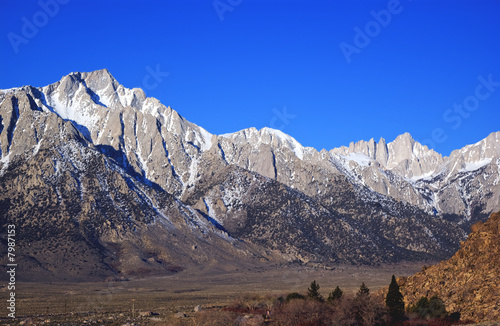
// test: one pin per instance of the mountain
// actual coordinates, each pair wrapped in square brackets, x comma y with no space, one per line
[467,282]
[463,187]
[80,216]
[89,165]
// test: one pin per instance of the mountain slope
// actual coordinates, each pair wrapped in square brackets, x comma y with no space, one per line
[467,282]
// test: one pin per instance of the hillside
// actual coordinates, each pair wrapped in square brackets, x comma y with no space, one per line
[469,281]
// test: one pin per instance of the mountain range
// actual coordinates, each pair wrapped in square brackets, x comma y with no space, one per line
[101,180]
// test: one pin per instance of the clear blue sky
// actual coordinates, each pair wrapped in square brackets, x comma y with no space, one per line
[235,66]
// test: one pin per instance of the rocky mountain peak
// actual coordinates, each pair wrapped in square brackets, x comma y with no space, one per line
[486,148]
[269,136]
[103,89]
[404,155]
[382,154]
[410,158]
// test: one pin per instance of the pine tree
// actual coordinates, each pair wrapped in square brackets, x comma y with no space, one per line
[313,291]
[335,294]
[363,291]
[394,300]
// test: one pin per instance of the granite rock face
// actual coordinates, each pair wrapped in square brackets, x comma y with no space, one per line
[467,282]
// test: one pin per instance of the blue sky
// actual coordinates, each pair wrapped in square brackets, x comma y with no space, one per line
[325,72]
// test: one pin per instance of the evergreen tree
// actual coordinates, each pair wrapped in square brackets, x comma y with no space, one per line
[394,300]
[313,291]
[335,294]
[363,291]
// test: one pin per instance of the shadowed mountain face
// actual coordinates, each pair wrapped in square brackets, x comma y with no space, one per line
[100,179]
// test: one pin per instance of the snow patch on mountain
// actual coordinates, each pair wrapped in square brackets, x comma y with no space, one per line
[5,160]
[271,137]
[10,90]
[473,166]
[76,111]
[424,177]
[291,143]
[360,159]
[204,138]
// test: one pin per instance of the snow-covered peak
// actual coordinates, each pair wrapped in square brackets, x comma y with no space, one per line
[488,147]
[473,157]
[283,138]
[10,90]
[269,136]
[202,138]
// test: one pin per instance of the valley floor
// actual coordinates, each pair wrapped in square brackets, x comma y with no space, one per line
[117,302]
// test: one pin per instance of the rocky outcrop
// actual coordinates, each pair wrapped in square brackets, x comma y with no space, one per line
[468,282]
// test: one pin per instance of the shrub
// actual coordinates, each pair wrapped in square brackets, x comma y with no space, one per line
[308,312]
[253,304]
[294,296]
[425,308]
[455,316]
[360,310]
[420,308]
[437,309]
